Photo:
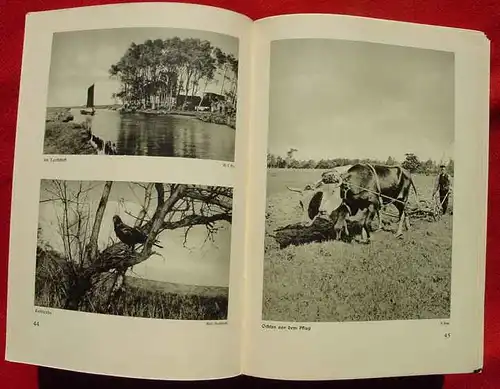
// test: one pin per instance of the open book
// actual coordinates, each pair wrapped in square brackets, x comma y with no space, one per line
[198,195]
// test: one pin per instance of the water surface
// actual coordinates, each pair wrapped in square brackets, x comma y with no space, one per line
[162,135]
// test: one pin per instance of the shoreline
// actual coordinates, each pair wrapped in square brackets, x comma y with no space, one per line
[207,117]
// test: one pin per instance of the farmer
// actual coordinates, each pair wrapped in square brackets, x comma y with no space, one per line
[443,185]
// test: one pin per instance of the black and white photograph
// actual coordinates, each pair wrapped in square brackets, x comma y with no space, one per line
[162,92]
[360,170]
[140,249]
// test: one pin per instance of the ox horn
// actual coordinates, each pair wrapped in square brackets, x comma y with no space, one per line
[294,189]
[318,183]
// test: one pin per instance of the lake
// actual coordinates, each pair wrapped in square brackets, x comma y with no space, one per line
[162,135]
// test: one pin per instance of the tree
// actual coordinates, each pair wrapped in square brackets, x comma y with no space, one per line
[310,164]
[163,207]
[156,72]
[451,167]
[223,65]
[271,160]
[411,163]
[207,73]
[428,167]
[233,65]
[391,161]
[289,157]
[325,164]
[280,162]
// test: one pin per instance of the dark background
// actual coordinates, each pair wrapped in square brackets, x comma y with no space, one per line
[481,15]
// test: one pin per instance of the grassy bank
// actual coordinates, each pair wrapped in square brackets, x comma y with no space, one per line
[62,136]
[141,298]
[218,119]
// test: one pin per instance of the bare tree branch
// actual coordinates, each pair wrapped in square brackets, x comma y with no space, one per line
[192,220]
[214,197]
[144,210]
[160,201]
[176,194]
[92,246]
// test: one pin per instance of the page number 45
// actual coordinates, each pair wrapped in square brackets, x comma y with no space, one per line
[447,335]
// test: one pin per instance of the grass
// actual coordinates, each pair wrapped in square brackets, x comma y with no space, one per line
[389,279]
[217,118]
[140,298]
[65,137]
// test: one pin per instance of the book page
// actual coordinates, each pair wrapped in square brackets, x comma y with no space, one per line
[127,201]
[368,199]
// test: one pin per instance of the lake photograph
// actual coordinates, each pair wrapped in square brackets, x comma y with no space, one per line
[161,92]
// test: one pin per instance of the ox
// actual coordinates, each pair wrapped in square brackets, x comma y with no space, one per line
[370,187]
[356,196]
[323,199]
[317,200]
[320,197]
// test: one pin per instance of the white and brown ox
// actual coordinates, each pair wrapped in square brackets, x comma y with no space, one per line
[358,194]
[321,197]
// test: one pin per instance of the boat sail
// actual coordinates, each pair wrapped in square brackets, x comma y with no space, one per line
[90,101]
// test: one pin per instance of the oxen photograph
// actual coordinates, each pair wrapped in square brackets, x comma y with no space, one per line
[141,249]
[360,169]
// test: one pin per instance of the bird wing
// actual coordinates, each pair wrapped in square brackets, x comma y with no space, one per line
[139,236]
[130,235]
[125,234]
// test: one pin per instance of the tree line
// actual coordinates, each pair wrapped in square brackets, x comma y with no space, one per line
[169,74]
[411,162]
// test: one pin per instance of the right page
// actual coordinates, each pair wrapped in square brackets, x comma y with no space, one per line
[368,199]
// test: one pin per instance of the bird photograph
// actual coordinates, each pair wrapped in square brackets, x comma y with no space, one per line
[131,236]
[101,228]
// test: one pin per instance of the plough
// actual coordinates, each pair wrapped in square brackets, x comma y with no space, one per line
[426,209]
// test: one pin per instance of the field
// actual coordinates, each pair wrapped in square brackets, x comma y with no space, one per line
[388,279]
[141,297]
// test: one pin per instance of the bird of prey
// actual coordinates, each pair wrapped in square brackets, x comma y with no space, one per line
[129,235]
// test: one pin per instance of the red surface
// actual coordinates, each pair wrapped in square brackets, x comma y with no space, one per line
[481,15]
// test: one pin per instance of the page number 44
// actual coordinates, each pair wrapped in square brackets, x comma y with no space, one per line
[36,323]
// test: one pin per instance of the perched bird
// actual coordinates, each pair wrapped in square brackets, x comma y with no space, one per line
[129,235]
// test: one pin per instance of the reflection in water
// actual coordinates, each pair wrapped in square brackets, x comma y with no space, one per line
[167,136]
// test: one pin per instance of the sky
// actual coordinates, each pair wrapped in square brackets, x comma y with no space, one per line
[334,98]
[201,263]
[82,58]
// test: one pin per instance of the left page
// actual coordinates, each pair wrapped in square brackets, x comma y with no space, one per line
[127,192]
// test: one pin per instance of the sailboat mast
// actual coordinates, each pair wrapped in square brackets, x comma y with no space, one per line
[90,97]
